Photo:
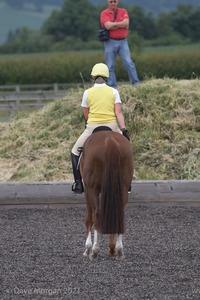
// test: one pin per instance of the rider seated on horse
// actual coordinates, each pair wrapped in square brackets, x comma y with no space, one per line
[101,107]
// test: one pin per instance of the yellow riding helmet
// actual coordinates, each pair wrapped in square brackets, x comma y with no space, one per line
[100,70]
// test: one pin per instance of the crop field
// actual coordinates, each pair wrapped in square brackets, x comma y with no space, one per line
[75,66]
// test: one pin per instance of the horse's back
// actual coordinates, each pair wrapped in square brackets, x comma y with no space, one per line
[99,140]
[95,156]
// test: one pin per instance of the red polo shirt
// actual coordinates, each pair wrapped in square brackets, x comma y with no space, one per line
[108,15]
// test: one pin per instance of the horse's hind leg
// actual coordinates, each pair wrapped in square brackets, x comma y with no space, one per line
[88,243]
[119,247]
[112,243]
[95,247]
[97,235]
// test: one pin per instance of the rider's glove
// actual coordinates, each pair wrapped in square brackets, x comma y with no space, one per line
[125,133]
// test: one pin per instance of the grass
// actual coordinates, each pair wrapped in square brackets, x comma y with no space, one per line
[147,49]
[174,48]
[162,116]
[50,54]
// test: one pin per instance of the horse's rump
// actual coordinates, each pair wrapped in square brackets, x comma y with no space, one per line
[107,169]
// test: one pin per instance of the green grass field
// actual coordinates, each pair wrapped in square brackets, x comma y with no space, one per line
[176,48]
[161,49]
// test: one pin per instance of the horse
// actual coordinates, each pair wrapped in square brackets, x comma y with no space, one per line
[106,168]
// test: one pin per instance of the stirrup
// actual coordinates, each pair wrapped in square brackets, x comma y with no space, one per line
[77,187]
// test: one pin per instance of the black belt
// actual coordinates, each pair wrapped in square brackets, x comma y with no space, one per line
[118,39]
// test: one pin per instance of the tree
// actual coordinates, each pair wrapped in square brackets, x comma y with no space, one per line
[74,19]
[186,21]
[194,20]
[10,37]
[164,25]
[142,23]
[53,26]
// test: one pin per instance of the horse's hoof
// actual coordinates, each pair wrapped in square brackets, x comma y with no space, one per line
[112,253]
[93,255]
[120,257]
[87,252]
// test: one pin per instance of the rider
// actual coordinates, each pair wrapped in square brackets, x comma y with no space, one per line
[101,107]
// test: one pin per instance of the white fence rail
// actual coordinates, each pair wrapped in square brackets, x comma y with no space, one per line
[39,87]
[29,97]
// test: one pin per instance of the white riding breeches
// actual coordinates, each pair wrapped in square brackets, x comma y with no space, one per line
[88,131]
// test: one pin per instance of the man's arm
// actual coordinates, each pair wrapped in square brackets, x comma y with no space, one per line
[116,25]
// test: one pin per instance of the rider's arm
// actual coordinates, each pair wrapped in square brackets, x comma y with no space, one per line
[86,112]
[119,115]
[84,105]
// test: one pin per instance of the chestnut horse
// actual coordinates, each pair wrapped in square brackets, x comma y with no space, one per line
[106,167]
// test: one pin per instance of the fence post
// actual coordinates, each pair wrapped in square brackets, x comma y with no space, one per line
[55,87]
[17,88]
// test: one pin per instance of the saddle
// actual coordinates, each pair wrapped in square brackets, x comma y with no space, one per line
[101,128]
[97,129]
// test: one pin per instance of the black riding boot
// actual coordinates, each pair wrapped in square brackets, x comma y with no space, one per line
[77,186]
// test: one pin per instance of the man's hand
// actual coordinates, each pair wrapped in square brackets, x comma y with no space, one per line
[108,25]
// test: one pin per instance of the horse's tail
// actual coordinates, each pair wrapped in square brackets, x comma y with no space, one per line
[111,213]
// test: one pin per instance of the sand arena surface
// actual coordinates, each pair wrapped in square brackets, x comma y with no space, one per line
[42,255]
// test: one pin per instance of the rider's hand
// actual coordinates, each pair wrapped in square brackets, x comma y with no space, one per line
[125,133]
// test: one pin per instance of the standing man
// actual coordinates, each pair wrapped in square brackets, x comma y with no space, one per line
[116,20]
